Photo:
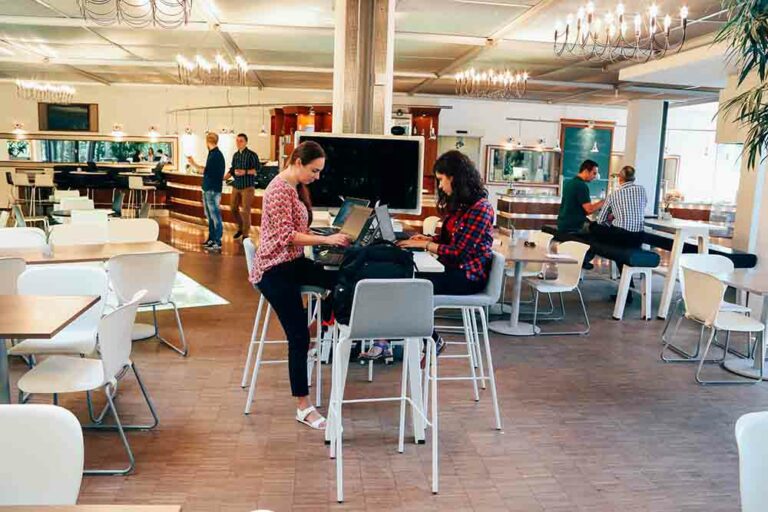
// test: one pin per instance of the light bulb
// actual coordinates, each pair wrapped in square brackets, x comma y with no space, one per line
[684,13]
[620,10]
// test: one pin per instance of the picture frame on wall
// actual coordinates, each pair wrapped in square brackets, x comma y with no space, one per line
[527,165]
[581,140]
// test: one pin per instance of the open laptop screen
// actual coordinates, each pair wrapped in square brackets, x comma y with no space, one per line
[346,209]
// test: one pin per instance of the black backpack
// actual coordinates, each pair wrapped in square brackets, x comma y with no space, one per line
[379,260]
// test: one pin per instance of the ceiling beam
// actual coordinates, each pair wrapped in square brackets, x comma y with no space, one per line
[491,42]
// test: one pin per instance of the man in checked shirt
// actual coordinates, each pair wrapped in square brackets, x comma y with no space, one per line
[245,163]
[621,219]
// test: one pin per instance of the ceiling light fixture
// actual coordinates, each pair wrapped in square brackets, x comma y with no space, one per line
[18,129]
[153,133]
[594,149]
[491,84]
[220,72]
[45,92]
[611,38]
[137,13]
[117,131]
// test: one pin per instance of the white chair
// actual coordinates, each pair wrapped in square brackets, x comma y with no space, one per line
[387,309]
[703,297]
[59,194]
[155,273]
[79,234]
[472,306]
[42,462]
[70,374]
[752,441]
[76,203]
[314,297]
[42,181]
[10,270]
[20,220]
[22,238]
[79,337]
[568,277]
[543,240]
[5,216]
[429,225]
[89,217]
[709,264]
[132,230]
[138,192]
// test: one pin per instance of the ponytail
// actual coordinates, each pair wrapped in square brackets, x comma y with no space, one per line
[305,152]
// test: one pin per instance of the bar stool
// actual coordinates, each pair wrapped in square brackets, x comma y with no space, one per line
[471,307]
[136,188]
[387,308]
[314,296]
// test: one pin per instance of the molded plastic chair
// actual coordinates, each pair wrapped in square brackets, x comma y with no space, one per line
[22,238]
[752,441]
[429,225]
[568,277]
[79,337]
[89,217]
[69,374]
[133,230]
[90,233]
[76,203]
[58,195]
[389,309]
[10,270]
[471,307]
[709,264]
[703,296]
[314,296]
[155,273]
[42,462]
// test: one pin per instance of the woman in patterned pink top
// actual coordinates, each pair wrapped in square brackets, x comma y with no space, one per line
[280,268]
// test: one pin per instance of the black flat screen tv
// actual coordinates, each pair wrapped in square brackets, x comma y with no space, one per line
[68,117]
[381,168]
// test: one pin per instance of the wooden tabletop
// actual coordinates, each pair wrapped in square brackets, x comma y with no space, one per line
[95,508]
[68,213]
[38,316]
[86,253]
[518,252]
[751,281]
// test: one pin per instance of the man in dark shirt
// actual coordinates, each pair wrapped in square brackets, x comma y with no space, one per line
[245,163]
[213,176]
[576,202]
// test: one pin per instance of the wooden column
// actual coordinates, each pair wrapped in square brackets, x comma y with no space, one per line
[363,66]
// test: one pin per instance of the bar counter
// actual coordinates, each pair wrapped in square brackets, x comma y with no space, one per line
[526,211]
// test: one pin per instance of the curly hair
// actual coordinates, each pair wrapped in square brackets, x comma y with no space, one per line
[467,185]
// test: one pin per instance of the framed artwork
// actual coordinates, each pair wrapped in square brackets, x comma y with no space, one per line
[587,140]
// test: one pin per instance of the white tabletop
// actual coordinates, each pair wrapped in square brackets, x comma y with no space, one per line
[679,224]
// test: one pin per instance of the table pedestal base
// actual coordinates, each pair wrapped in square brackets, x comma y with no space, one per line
[142,332]
[744,367]
[504,327]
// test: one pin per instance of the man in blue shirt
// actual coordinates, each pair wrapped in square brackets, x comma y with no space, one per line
[213,176]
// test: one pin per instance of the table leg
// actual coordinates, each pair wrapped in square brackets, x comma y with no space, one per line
[751,368]
[5,382]
[703,244]
[671,279]
[339,372]
[514,327]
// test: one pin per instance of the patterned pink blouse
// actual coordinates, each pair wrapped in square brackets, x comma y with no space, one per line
[282,216]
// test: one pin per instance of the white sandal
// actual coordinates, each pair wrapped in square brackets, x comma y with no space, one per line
[303,414]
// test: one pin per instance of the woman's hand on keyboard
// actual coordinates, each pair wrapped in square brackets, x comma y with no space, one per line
[420,237]
[338,240]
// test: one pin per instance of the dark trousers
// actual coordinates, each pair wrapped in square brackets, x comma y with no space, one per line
[281,285]
[451,282]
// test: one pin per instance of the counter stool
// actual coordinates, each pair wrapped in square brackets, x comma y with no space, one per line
[471,307]
[137,191]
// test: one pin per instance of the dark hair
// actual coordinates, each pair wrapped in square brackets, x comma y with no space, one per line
[305,152]
[243,136]
[587,165]
[467,186]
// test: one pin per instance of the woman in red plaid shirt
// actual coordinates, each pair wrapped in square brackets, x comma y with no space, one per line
[464,245]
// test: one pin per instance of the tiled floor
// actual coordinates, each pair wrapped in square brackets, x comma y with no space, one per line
[593,423]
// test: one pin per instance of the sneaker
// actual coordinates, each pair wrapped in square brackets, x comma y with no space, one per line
[214,247]
[440,346]
[207,243]
[239,234]
[587,265]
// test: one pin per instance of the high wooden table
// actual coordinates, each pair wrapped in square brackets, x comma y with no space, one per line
[34,317]
[754,282]
[517,253]
[683,230]
[85,253]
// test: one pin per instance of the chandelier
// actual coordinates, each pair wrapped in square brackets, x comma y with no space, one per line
[137,13]
[611,38]
[219,72]
[45,92]
[491,84]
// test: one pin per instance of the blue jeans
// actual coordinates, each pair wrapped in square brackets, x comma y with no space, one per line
[211,200]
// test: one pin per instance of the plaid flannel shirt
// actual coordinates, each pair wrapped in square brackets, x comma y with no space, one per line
[470,246]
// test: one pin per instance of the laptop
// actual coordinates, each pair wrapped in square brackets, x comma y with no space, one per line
[356,226]
[385,227]
[341,216]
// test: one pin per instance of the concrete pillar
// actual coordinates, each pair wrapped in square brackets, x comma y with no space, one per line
[644,148]
[363,66]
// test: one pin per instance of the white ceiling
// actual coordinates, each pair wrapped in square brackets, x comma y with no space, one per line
[47,40]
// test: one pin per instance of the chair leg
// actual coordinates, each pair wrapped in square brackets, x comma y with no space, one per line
[123,438]
[491,374]
[584,313]
[622,293]
[647,312]
[476,348]
[97,422]
[435,420]
[318,348]
[535,311]
[184,350]
[403,401]
[469,337]
[254,332]
[718,382]
[257,363]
